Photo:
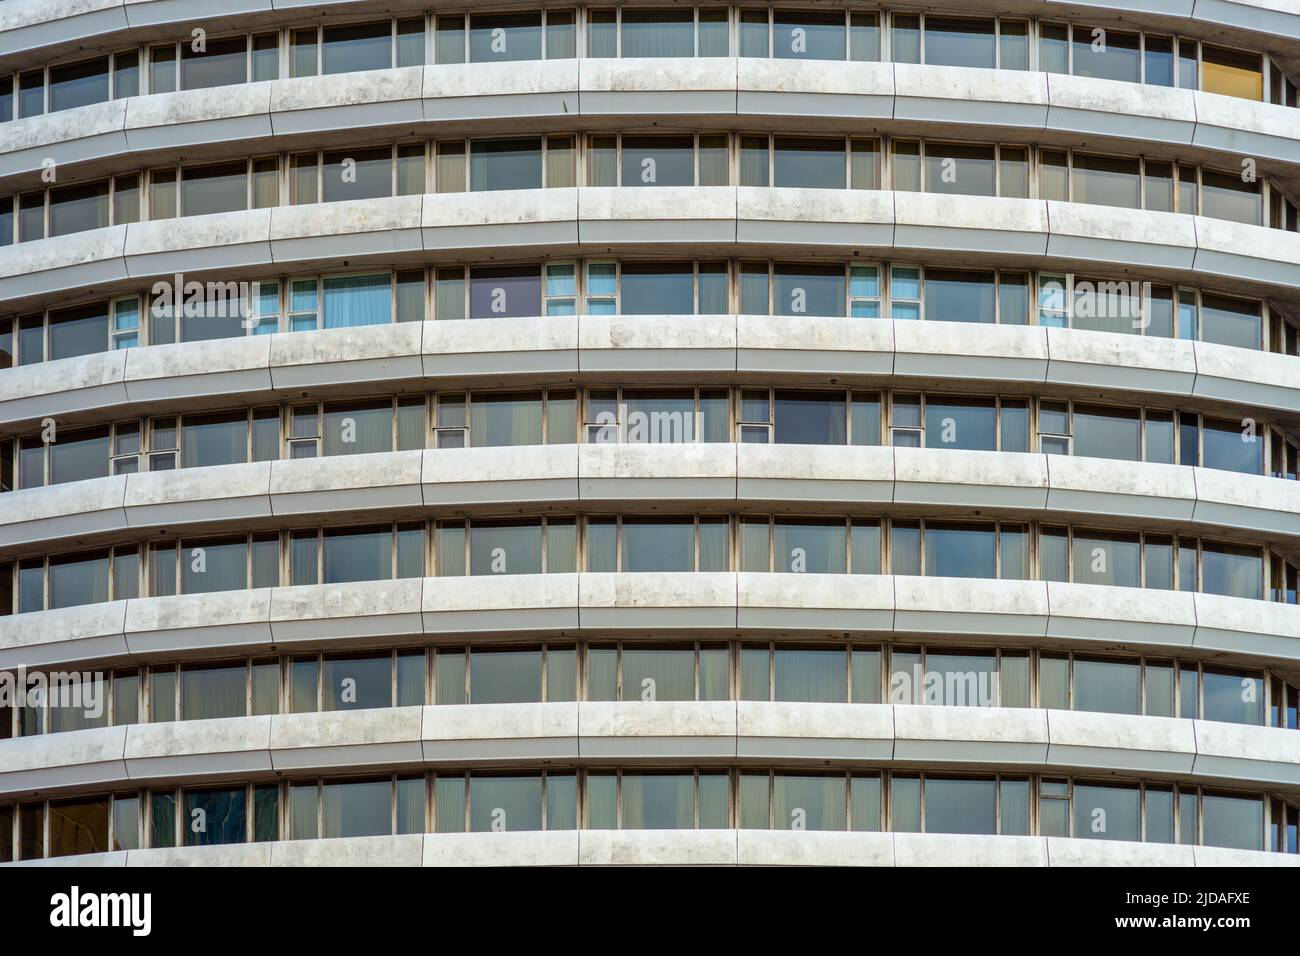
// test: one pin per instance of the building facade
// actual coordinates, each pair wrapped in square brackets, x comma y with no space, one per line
[809,433]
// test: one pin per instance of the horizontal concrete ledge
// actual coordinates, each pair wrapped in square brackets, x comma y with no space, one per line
[458,353]
[686,476]
[684,848]
[567,221]
[1226,630]
[428,97]
[903,737]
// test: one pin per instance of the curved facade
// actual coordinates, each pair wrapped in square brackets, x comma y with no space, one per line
[723,433]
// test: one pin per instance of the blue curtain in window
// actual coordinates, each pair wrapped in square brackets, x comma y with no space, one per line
[352,301]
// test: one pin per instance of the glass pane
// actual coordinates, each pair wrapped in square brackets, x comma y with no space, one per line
[1107,813]
[449,796]
[954,296]
[658,288]
[505,677]
[809,803]
[956,169]
[505,292]
[1107,54]
[211,692]
[658,801]
[364,46]
[950,41]
[506,164]
[658,33]
[962,551]
[355,683]
[960,806]
[810,546]
[505,803]
[808,162]
[658,544]
[78,826]
[1235,822]
[808,35]
[220,63]
[215,817]
[808,675]
[504,37]
[1111,687]
[810,418]
[357,809]
[506,547]
[651,674]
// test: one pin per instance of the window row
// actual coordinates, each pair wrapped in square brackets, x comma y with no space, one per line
[649,160]
[202,62]
[199,311]
[647,672]
[647,543]
[639,799]
[646,415]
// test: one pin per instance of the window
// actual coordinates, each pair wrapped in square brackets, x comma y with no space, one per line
[1106,181]
[216,816]
[1107,432]
[210,565]
[960,550]
[505,164]
[266,57]
[1229,321]
[658,160]
[214,691]
[658,544]
[961,423]
[357,174]
[1107,558]
[78,84]
[219,439]
[807,162]
[364,46]
[953,41]
[504,291]
[502,37]
[1231,73]
[806,289]
[807,35]
[218,63]
[658,33]
[1231,196]
[648,673]
[78,331]
[352,301]
[357,554]
[78,826]
[905,292]
[222,187]
[809,418]
[506,418]
[957,296]
[1107,54]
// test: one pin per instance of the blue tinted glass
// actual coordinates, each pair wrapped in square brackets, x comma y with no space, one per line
[214,817]
[960,551]
[352,301]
